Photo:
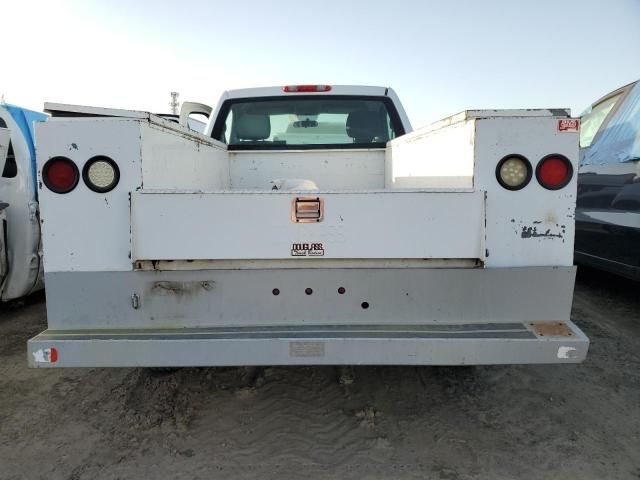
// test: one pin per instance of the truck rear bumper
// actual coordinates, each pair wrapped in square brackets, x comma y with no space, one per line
[433,344]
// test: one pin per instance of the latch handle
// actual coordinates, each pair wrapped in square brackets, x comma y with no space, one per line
[307,210]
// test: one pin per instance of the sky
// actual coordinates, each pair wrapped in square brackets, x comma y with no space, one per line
[441,57]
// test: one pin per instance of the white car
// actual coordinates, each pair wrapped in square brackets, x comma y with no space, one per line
[21,269]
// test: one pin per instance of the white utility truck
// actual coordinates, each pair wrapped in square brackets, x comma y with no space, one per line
[308,224]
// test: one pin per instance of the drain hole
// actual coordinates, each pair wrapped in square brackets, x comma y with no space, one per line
[364,305]
[341,290]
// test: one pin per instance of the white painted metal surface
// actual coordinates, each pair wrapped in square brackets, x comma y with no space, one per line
[171,159]
[100,238]
[80,110]
[441,157]
[328,169]
[258,226]
[532,226]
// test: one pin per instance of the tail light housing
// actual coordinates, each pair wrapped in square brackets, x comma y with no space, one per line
[514,172]
[554,171]
[101,174]
[60,175]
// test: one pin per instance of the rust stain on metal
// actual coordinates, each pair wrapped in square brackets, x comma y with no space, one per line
[181,288]
[551,329]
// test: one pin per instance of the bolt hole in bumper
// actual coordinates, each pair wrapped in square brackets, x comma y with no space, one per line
[452,344]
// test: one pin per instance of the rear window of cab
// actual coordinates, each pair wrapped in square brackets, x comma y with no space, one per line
[307,122]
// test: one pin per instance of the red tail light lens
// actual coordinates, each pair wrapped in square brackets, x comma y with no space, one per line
[306,88]
[60,175]
[554,172]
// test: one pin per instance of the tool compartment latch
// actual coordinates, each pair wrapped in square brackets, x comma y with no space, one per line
[307,209]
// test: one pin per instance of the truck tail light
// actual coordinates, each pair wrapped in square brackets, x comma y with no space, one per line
[554,172]
[101,174]
[513,172]
[306,88]
[60,175]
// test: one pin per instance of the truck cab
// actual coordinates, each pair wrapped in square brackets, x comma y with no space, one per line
[308,224]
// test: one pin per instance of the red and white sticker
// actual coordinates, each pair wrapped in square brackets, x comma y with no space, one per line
[569,125]
[46,355]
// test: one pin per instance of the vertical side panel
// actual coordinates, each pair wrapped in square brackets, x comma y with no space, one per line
[531,226]
[83,230]
[174,160]
[329,169]
[432,157]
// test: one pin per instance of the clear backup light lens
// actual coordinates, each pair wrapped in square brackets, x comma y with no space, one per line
[101,174]
[513,172]
[60,175]
[554,172]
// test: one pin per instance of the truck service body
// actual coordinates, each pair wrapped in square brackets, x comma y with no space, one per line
[307,225]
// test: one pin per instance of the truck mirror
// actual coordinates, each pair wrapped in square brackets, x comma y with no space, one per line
[190,108]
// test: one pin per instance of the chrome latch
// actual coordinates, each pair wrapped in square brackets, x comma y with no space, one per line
[307,210]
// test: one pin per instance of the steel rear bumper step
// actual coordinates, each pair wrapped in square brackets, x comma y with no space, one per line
[433,344]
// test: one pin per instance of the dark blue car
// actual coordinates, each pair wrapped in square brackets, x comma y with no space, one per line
[608,204]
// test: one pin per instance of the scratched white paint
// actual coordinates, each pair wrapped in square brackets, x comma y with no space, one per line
[566,352]
[42,355]
[512,213]
[83,230]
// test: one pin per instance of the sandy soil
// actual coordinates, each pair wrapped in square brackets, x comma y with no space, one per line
[526,422]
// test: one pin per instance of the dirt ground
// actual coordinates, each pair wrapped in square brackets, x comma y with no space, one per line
[513,422]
